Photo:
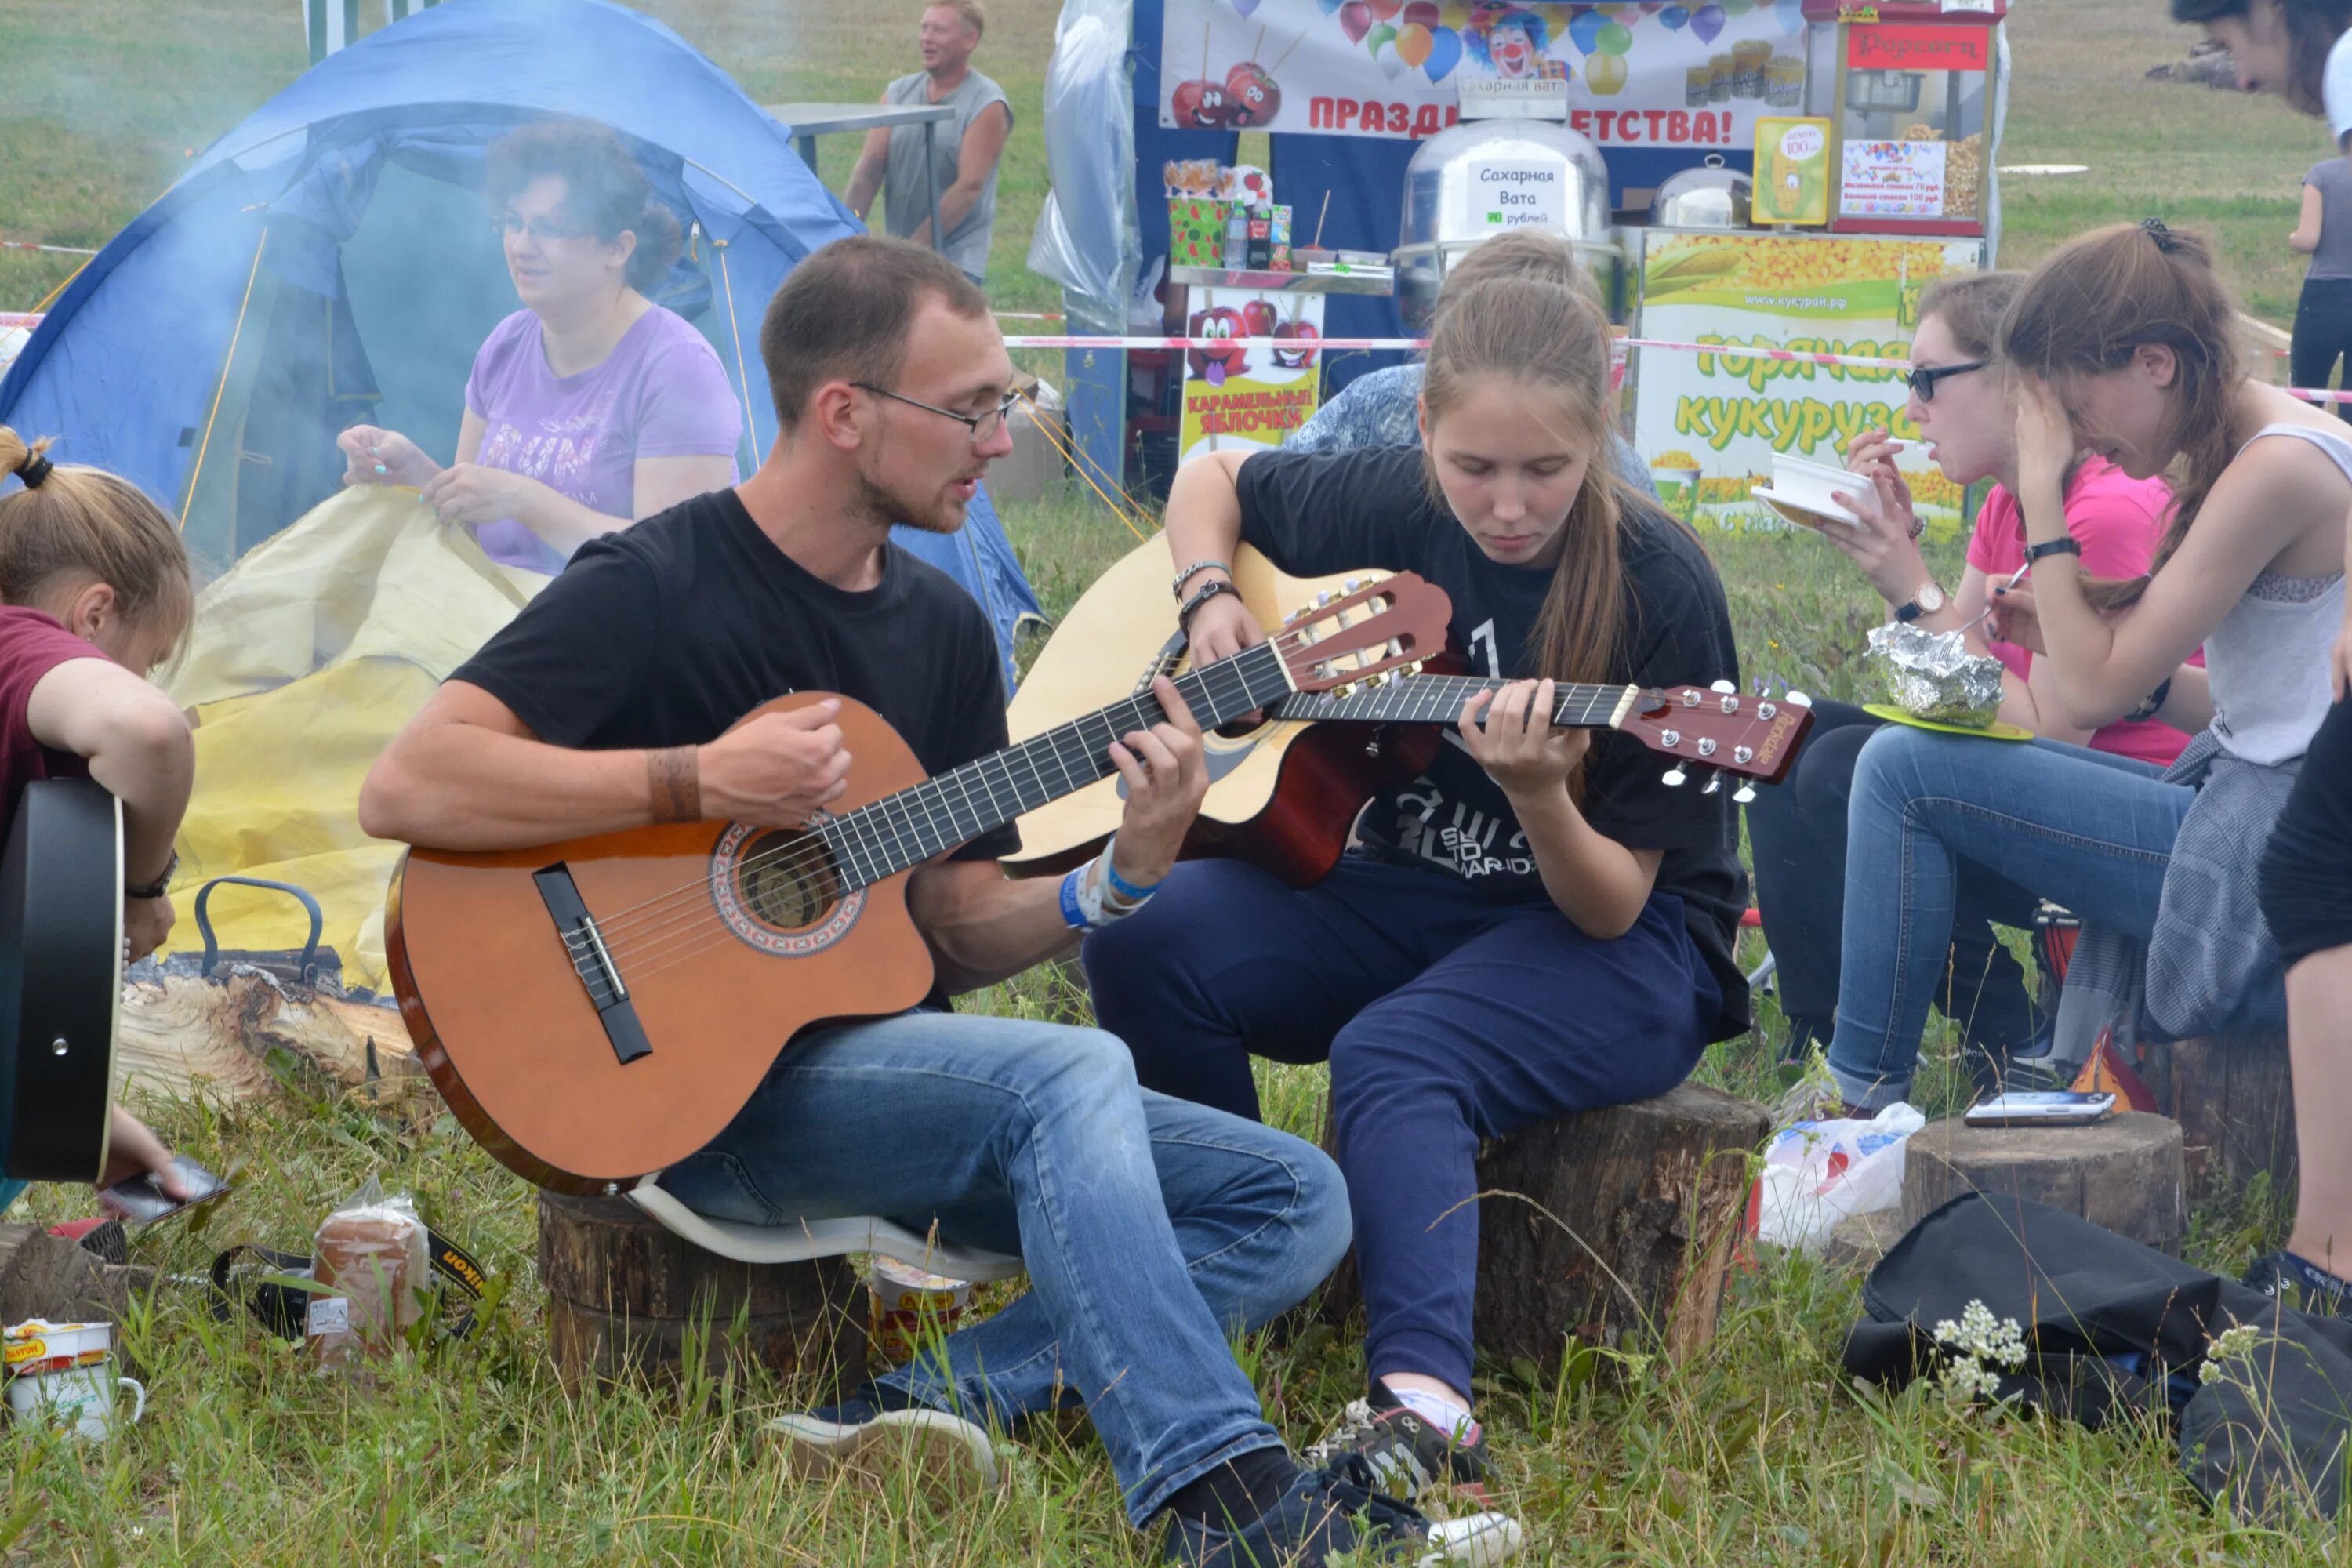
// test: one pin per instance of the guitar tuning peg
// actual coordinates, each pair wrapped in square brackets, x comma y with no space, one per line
[1675,778]
[1723,686]
[1799,700]
[1354,583]
[1322,598]
[1744,793]
[1714,784]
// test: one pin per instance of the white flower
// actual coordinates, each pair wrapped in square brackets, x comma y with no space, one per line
[1977,1344]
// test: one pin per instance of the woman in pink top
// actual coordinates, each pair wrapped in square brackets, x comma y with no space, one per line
[1797,832]
[592,406]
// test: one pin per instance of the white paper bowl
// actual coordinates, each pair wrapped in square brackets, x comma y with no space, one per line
[1811,487]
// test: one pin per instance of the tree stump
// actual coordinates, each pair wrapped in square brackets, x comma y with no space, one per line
[624,1297]
[2235,1099]
[2123,1173]
[1608,1227]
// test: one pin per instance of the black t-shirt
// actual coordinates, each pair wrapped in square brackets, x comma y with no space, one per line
[1316,514]
[667,633]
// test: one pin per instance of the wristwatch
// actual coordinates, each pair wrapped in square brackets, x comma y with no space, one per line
[1926,601]
[160,886]
[2064,544]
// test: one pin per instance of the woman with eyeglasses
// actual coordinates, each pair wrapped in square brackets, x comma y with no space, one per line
[592,406]
[2122,343]
[1962,406]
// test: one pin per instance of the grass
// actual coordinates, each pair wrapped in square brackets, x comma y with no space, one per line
[1756,1452]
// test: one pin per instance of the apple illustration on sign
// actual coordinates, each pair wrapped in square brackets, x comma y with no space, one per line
[1258,318]
[1217,365]
[1251,95]
[1200,105]
[1300,333]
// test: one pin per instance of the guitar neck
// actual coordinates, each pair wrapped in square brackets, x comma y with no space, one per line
[903,830]
[1438,699]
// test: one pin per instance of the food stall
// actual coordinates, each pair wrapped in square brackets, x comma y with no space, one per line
[1876,128]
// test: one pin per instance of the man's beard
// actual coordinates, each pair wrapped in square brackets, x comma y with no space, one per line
[878,502]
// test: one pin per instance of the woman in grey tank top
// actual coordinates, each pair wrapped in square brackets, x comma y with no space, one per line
[2122,343]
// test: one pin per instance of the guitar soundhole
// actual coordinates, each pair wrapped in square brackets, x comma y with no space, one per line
[788,881]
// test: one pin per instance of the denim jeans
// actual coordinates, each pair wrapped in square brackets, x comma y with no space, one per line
[1152,1228]
[1447,1016]
[2085,829]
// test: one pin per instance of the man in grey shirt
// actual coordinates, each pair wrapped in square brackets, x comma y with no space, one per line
[966,147]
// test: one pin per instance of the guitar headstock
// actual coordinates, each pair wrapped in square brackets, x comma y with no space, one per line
[1376,626]
[1721,730]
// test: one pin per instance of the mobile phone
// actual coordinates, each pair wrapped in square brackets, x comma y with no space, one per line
[141,1202]
[2041,1108]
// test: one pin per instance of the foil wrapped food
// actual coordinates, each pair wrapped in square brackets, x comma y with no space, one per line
[1933,676]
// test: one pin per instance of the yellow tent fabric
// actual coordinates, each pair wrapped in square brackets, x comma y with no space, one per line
[304,661]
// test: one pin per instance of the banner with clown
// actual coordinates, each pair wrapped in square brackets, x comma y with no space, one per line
[1641,73]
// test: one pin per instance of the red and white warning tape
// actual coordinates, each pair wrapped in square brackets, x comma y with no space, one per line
[51,249]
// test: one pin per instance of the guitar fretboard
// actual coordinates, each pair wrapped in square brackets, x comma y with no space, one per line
[1438,699]
[906,829]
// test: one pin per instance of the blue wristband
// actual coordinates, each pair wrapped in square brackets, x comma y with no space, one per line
[1125,888]
[1072,916]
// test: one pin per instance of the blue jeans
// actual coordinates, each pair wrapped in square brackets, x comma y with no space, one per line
[2086,829]
[1447,1016]
[1152,1228]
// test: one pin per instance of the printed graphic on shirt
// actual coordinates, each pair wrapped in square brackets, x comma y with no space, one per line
[1458,836]
[558,456]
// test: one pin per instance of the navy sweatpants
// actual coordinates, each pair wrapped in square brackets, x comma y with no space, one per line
[1446,1017]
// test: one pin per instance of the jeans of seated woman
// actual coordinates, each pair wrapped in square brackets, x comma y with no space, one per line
[2086,829]
[1797,834]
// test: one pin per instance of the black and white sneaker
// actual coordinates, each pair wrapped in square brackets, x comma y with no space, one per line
[1406,1455]
[1342,1508]
[2301,1286]
[876,1439]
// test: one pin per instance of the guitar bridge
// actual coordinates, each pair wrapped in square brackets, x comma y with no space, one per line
[591,961]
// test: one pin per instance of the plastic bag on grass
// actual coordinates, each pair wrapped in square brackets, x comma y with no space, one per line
[1819,1173]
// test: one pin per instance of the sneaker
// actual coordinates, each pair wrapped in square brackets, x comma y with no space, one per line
[1405,1455]
[2284,1277]
[1339,1509]
[947,1456]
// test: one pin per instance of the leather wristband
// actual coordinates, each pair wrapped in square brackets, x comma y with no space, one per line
[1184,616]
[1176,589]
[2066,544]
[674,785]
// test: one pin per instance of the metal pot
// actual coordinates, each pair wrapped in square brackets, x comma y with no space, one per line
[1708,197]
[1445,192]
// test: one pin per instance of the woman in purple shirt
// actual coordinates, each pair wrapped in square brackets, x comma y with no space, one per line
[592,404]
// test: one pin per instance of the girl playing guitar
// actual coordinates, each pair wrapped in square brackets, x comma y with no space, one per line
[1540,924]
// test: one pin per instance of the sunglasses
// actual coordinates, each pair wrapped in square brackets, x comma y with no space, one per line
[1922,379]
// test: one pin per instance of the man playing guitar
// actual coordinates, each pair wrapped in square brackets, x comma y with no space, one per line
[1152,1228]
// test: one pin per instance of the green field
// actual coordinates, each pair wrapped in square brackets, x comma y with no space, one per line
[1757,1452]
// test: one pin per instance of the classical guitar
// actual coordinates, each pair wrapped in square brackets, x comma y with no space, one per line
[601,1008]
[61,978]
[1284,794]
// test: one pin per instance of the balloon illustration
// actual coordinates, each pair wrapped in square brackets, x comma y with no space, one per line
[1423,12]
[1736,8]
[1243,7]
[1584,31]
[1791,16]
[1676,17]
[1445,53]
[1413,45]
[1385,10]
[1330,5]
[1355,20]
[1381,34]
[1391,64]
[1706,22]
[1605,74]
[1615,38]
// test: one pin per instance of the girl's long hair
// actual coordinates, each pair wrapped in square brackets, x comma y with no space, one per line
[1550,342]
[2101,296]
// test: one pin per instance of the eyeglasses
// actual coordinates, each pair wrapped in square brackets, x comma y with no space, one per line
[983,426]
[539,229]
[1923,378]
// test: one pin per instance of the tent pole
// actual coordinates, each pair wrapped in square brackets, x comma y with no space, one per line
[196,472]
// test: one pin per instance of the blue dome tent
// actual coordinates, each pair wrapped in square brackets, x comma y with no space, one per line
[329,262]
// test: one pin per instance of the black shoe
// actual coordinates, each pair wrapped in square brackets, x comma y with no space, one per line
[871,1442]
[1338,1508]
[2286,1277]
[1405,1455]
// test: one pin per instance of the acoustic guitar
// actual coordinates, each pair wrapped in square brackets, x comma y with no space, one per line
[1284,794]
[61,978]
[598,1009]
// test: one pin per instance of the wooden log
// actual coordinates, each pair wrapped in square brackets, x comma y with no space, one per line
[1608,1227]
[1858,1241]
[2124,1173]
[624,1298]
[53,1276]
[232,1036]
[2234,1096]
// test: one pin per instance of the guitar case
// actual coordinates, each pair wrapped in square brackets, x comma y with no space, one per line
[60,979]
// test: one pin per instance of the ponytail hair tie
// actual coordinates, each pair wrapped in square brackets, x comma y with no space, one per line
[2155,229]
[34,469]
